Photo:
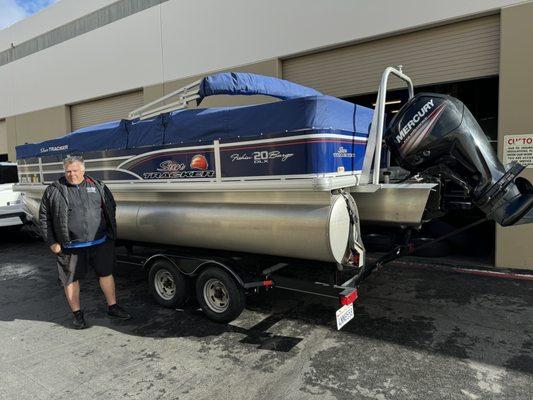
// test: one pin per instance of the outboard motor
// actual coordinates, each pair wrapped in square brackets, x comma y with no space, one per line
[436,135]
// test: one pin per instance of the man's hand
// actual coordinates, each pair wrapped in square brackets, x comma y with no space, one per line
[56,248]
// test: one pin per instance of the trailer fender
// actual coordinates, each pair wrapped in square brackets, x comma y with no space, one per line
[212,263]
[152,259]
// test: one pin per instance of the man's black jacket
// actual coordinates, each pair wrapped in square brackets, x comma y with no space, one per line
[53,213]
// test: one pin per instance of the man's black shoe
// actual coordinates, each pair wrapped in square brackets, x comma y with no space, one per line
[79,321]
[117,312]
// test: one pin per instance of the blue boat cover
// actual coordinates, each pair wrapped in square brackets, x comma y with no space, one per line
[240,83]
[266,120]
[195,126]
[107,136]
[148,132]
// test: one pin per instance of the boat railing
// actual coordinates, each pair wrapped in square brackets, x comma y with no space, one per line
[372,160]
[185,96]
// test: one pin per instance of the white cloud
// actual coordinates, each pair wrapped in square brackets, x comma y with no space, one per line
[10,12]
[32,6]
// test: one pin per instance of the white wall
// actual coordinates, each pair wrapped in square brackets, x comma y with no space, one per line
[47,19]
[255,30]
[181,38]
[113,58]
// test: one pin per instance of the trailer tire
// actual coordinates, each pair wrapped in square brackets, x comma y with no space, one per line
[219,296]
[168,286]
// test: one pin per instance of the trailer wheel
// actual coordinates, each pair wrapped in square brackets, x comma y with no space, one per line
[219,296]
[168,286]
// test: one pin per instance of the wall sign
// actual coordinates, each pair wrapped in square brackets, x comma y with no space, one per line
[518,148]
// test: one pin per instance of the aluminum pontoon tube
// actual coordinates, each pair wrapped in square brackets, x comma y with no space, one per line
[308,231]
[307,225]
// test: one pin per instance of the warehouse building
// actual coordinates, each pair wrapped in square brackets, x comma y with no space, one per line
[79,63]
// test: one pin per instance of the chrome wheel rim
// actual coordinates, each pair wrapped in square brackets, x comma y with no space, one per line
[165,285]
[216,295]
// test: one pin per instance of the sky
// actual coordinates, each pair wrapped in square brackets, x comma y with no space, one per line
[12,11]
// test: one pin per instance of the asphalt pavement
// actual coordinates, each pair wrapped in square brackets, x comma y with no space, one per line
[418,333]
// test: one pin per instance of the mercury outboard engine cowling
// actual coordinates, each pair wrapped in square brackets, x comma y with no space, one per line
[436,135]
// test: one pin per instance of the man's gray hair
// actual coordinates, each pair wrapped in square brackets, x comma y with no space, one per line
[73,159]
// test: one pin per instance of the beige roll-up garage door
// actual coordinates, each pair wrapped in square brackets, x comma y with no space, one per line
[106,109]
[458,51]
[3,136]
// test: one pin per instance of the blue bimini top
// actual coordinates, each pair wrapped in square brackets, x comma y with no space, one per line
[238,83]
[302,110]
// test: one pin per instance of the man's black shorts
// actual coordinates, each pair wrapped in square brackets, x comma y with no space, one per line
[73,264]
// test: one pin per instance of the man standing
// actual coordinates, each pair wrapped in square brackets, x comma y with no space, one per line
[77,218]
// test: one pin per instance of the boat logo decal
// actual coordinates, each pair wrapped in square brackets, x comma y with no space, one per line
[422,131]
[342,152]
[171,166]
[261,157]
[199,162]
[415,119]
[170,169]
[54,148]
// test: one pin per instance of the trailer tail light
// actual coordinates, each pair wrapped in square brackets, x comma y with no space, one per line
[347,299]
[268,283]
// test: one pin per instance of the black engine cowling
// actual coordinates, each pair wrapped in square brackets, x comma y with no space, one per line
[436,135]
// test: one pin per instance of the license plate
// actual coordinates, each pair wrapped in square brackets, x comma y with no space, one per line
[344,315]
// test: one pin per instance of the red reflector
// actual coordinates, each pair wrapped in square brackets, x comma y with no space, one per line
[268,283]
[349,298]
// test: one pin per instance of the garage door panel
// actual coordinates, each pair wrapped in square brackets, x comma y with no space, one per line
[480,59]
[458,51]
[104,110]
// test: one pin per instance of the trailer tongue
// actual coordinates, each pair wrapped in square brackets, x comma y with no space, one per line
[234,198]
